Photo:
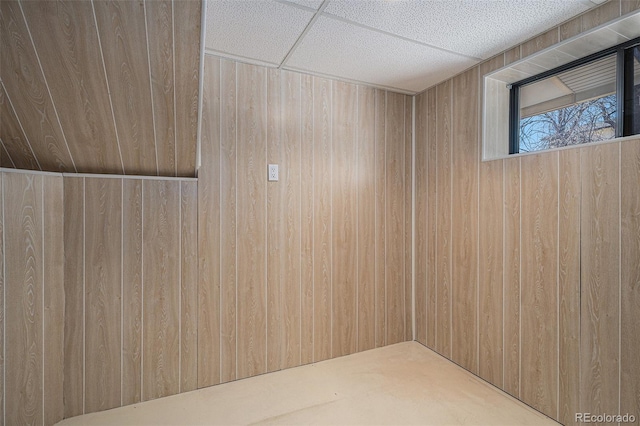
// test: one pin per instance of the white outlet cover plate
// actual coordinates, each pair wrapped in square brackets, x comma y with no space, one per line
[273,173]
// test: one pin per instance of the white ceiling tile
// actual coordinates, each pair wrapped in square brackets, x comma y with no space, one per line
[336,48]
[477,28]
[254,29]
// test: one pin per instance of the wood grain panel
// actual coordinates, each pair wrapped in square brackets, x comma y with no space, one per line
[251,219]
[69,51]
[408,220]
[630,274]
[24,270]
[491,273]
[540,42]
[365,184]
[464,223]
[25,84]
[132,223]
[421,218]
[601,14]
[322,236]
[512,55]
[161,288]
[283,221]
[307,218]
[432,224]
[13,138]
[444,232]
[394,271]
[188,286]
[539,261]
[122,31]
[54,298]
[380,203]
[571,28]
[5,158]
[186,30]
[209,204]
[569,286]
[344,219]
[228,218]
[627,6]
[600,279]
[512,272]
[73,296]
[2,303]
[159,20]
[103,293]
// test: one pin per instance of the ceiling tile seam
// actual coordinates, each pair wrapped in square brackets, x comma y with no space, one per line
[4,148]
[46,84]
[296,6]
[350,80]
[26,138]
[239,58]
[313,20]
[106,79]
[387,33]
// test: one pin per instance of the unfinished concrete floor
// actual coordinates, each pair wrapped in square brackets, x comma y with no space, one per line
[400,384]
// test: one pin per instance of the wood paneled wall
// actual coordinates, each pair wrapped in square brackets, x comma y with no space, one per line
[131,291]
[316,265]
[526,268]
[32,298]
[100,86]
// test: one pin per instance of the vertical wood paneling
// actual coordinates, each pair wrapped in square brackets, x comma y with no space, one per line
[630,274]
[103,251]
[540,42]
[24,270]
[122,31]
[228,218]
[569,286]
[539,233]
[283,221]
[132,223]
[161,289]
[13,138]
[188,286]
[627,6]
[421,218]
[251,214]
[444,232]
[365,184]
[24,81]
[408,220]
[601,14]
[380,209]
[53,315]
[70,55]
[290,158]
[464,220]
[307,217]
[344,219]
[275,226]
[159,19]
[186,30]
[322,235]
[511,310]
[209,230]
[394,271]
[491,270]
[74,261]
[2,299]
[600,278]
[432,224]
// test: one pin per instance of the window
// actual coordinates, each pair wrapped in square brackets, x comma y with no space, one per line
[592,99]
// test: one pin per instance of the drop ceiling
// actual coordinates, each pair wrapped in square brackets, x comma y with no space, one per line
[403,45]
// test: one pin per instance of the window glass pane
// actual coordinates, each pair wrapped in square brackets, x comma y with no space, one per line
[636,91]
[570,108]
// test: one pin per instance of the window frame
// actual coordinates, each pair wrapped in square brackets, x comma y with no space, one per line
[624,89]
